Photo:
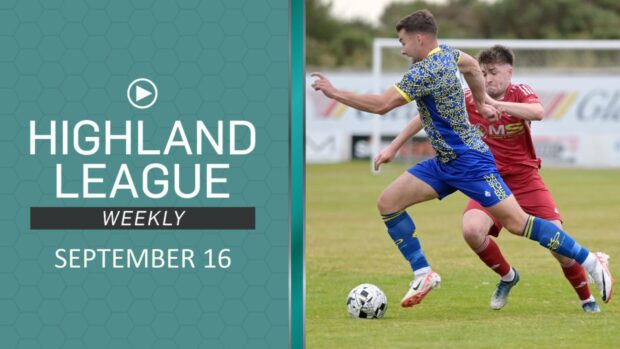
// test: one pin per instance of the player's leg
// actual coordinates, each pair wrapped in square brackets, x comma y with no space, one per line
[403,192]
[514,219]
[477,226]
[576,276]
[491,192]
[534,197]
[409,189]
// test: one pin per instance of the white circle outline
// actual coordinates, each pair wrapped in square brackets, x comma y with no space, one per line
[129,93]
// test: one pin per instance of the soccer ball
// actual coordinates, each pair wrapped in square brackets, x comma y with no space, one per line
[366,301]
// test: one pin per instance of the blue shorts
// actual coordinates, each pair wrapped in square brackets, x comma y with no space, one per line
[473,173]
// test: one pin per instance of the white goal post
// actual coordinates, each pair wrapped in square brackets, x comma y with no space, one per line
[380,43]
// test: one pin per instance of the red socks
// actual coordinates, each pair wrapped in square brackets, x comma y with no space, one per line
[490,254]
[577,277]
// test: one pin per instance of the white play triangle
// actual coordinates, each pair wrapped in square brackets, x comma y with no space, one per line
[141,93]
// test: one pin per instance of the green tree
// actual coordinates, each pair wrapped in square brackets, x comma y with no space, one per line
[455,18]
[333,43]
[555,19]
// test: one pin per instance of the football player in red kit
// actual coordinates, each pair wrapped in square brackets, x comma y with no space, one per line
[510,140]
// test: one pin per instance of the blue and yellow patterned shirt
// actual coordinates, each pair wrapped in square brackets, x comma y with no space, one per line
[434,84]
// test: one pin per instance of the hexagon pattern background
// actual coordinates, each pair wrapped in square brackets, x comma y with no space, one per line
[211,60]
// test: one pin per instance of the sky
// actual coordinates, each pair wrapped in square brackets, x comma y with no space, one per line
[369,10]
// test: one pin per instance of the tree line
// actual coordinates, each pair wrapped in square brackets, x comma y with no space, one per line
[331,42]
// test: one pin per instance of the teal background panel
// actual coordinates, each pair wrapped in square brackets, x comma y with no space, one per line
[211,60]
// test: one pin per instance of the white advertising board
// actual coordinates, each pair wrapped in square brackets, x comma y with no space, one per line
[581,125]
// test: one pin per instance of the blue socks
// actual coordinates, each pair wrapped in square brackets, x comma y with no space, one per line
[402,230]
[550,236]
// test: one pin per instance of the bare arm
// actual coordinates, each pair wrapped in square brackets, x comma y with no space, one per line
[413,127]
[470,69]
[376,104]
[387,155]
[472,73]
[526,111]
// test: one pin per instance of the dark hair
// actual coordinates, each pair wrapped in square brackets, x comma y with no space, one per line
[420,21]
[497,54]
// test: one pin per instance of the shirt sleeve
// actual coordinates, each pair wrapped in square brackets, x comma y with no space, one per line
[456,54]
[413,85]
[527,94]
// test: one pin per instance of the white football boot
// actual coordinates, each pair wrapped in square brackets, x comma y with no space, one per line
[602,276]
[419,288]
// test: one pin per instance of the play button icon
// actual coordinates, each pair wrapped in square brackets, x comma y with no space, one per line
[142,93]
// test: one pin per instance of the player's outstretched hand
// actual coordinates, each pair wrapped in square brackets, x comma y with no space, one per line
[323,84]
[489,112]
[384,157]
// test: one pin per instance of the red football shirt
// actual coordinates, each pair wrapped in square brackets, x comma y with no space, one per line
[509,137]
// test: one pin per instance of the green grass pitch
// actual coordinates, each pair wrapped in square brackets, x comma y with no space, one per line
[346,245]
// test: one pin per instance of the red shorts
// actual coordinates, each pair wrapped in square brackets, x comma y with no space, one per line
[531,194]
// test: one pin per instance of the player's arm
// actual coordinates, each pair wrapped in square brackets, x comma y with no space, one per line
[376,104]
[527,111]
[387,155]
[472,73]
[413,127]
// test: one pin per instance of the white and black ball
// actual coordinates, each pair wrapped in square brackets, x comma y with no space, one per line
[367,301]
